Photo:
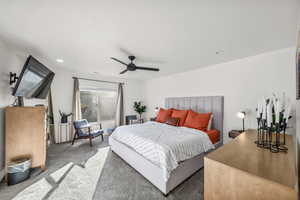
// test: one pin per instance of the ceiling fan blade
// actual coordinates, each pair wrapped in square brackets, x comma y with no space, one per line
[147,68]
[122,72]
[118,61]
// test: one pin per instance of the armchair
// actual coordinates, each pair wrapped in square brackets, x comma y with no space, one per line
[83,130]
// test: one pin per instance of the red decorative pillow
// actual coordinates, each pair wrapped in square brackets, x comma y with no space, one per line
[197,120]
[163,115]
[173,121]
[181,114]
[214,135]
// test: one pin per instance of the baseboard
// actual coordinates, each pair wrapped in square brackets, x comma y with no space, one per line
[1,174]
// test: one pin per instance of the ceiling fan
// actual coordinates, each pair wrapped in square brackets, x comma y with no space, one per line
[132,67]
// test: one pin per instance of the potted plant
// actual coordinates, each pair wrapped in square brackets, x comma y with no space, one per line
[139,108]
[64,117]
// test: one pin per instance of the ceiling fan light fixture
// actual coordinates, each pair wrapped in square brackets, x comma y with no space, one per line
[131,66]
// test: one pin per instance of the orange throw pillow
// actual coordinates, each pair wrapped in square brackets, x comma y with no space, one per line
[197,120]
[181,114]
[214,135]
[163,115]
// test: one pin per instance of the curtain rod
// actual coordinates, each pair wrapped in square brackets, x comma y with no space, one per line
[87,79]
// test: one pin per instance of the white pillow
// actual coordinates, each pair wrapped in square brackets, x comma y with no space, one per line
[210,122]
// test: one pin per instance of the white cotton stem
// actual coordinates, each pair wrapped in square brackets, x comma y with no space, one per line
[283,101]
[277,107]
[264,109]
[287,112]
[269,114]
[259,110]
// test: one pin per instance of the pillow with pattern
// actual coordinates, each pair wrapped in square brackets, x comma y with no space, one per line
[173,121]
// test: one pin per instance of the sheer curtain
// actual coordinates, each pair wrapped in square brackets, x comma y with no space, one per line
[120,106]
[76,108]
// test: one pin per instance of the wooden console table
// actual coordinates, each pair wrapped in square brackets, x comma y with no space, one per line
[241,170]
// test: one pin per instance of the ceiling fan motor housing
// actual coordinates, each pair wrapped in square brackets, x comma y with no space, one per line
[131,67]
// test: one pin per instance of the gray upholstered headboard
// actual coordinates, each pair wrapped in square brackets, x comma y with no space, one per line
[213,104]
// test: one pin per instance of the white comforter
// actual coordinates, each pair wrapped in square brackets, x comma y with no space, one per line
[162,144]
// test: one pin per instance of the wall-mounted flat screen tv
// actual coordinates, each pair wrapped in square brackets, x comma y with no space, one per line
[34,81]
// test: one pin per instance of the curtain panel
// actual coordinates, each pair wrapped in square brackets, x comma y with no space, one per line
[76,106]
[120,106]
[50,119]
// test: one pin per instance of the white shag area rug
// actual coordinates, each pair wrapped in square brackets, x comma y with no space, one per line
[69,182]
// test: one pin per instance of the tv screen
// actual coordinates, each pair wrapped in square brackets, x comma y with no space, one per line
[34,81]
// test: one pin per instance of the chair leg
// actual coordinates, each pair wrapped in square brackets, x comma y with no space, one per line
[102,137]
[91,144]
[74,138]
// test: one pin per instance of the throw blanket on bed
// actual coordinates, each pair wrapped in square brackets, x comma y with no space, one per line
[162,144]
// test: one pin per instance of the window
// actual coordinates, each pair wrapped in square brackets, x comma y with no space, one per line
[98,105]
[99,102]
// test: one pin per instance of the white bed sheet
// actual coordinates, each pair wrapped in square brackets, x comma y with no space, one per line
[163,145]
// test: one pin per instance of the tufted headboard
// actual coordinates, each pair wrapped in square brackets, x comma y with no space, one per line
[213,104]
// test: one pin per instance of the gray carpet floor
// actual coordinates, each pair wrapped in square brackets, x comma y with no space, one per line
[118,180]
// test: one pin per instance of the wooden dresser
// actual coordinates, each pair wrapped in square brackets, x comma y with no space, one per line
[25,134]
[240,170]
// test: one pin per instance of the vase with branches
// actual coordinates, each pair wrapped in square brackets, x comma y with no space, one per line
[139,108]
[64,116]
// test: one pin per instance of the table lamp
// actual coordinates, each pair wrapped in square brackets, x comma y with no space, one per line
[242,115]
[156,110]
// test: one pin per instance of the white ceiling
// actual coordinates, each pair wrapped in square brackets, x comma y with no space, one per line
[173,35]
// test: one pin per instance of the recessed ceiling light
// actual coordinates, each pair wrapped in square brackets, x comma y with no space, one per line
[59,60]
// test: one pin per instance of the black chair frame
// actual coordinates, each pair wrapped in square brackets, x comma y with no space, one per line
[88,135]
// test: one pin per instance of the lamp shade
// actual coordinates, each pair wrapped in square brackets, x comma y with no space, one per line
[241,114]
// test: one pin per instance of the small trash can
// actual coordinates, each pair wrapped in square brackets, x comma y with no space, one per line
[18,171]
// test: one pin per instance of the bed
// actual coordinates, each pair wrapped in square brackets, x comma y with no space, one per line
[166,175]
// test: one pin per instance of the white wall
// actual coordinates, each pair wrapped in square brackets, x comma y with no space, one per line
[297,135]
[12,60]
[297,143]
[242,83]
[6,63]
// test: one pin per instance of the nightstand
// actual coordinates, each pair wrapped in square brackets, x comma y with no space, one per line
[234,133]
